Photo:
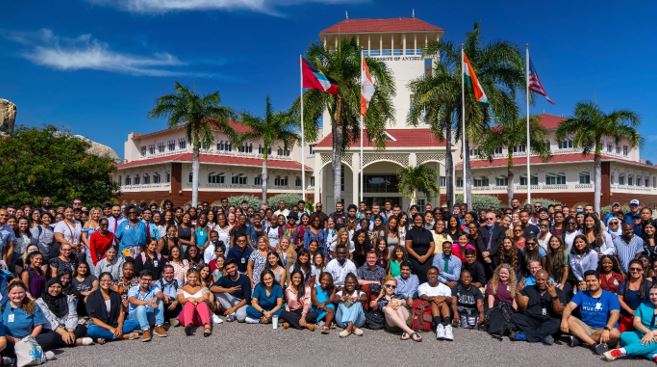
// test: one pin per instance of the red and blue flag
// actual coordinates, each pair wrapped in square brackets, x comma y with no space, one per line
[315,79]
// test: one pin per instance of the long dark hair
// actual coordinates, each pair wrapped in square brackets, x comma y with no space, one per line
[574,250]
[627,282]
[555,259]
[301,289]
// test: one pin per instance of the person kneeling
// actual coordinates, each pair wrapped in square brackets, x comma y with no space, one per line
[599,312]
[146,306]
[540,307]
[195,300]
[266,301]
[439,297]
[297,312]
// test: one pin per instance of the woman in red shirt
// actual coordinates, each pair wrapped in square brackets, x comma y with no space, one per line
[100,241]
[610,276]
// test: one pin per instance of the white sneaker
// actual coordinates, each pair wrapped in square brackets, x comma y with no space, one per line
[449,334]
[249,320]
[87,341]
[216,319]
[440,332]
[50,355]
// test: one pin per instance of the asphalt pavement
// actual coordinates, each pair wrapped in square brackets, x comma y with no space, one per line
[234,344]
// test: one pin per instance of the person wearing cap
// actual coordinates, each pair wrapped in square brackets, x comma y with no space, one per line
[635,209]
[615,209]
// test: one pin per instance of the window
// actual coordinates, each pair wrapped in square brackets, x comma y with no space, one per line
[381,183]
[172,145]
[610,147]
[161,147]
[261,149]
[443,181]
[646,182]
[625,150]
[654,181]
[279,151]
[312,181]
[147,179]
[498,151]
[128,180]
[245,148]
[618,148]
[167,177]
[481,181]
[257,180]
[182,144]
[621,179]
[613,178]
[216,178]
[519,148]
[311,149]
[630,180]
[584,178]
[239,179]
[297,181]
[136,180]
[156,178]
[190,178]
[566,144]
[143,150]
[342,170]
[638,180]
[501,181]
[280,181]
[151,149]
[220,145]
[474,152]
[555,178]
[459,182]
[534,180]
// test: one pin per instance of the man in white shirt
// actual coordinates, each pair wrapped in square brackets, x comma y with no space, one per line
[340,266]
[440,297]
[282,209]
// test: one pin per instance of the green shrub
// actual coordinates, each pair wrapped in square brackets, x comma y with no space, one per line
[544,202]
[481,202]
[289,199]
[254,202]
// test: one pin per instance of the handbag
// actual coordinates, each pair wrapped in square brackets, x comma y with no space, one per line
[375,320]
[29,352]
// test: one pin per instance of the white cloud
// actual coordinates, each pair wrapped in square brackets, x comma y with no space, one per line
[162,6]
[87,53]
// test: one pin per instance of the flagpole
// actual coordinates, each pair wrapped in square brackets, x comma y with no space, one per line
[360,166]
[529,180]
[303,138]
[465,191]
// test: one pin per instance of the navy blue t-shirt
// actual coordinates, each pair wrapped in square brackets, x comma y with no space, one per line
[242,257]
[242,281]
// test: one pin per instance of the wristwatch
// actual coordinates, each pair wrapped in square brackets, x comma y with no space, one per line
[606,328]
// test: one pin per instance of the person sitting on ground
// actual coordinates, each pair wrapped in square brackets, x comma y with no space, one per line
[643,340]
[599,312]
[195,301]
[266,301]
[370,275]
[540,306]
[533,266]
[146,306]
[449,263]
[476,269]
[502,287]
[394,308]
[233,292]
[60,311]
[439,296]
[340,266]
[467,303]
[350,315]
[105,310]
[631,293]
[321,297]
[297,311]
[407,283]
[168,285]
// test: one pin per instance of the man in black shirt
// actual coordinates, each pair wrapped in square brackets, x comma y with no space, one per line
[467,302]
[540,307]
[475,268]
[528,229]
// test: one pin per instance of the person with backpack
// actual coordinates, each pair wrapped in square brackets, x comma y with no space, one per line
[150,259]
[467,302]
[439,297]
[168,285]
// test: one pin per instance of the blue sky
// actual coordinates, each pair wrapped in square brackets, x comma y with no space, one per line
[96,67]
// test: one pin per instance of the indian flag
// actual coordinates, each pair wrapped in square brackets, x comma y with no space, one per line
[366,87]
[473,82]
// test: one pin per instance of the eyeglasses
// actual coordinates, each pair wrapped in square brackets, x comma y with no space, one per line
[635,270]
[391,286]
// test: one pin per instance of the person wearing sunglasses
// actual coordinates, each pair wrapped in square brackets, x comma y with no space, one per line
[394,309]
[641,342]
[131,234]
[631,293]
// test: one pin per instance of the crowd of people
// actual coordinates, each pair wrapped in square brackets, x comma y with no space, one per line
[73,275]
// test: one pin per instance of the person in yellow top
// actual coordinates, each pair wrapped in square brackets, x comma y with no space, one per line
[440,236]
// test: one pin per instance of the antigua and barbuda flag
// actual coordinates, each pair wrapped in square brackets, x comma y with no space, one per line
[315,79]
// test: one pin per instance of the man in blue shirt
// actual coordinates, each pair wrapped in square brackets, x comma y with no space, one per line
[168,285]
[407,283]
[240,253]
[152,233]
[628,246]
[599,312]
[146,306]
[449,265]
[131,234]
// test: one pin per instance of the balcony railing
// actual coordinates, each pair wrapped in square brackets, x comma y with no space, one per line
[394,52]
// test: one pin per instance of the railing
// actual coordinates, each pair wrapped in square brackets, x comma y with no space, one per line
[584,186]
[394,52]
[212,152]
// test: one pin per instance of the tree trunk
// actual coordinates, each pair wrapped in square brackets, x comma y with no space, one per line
[509,178]
[265,167]
[597,177]
[467,186]
[338,136]
[449,167]
[196,167]
[414,197]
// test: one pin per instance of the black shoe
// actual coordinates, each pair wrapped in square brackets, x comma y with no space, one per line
[600,348]
[189,331]
[548,340]
[573,341]
[206,334]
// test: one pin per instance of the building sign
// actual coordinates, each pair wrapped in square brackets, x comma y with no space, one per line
[397,58]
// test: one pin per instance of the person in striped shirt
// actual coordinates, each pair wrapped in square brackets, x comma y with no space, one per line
[628,246]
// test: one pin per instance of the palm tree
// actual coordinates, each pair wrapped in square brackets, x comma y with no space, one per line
[510,134]
[200,115]
[501,72]
[436,100]
[589,126]
[414,179]
[275,127]
[343,65]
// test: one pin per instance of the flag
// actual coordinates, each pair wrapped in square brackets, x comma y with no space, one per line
[315,79]
[473,82]
[534,82]
[366,87]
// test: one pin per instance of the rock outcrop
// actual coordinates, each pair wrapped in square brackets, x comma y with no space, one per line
[7,116]
[99,149]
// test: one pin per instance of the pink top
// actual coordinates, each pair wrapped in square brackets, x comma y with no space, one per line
[456,250]
[293,304]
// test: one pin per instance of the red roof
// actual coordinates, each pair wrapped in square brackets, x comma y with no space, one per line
[229,160]
[406,138]
[381,26]
[237,126]
[550,122]
[557,158]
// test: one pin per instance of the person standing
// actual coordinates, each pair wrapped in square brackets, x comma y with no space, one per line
[420,247]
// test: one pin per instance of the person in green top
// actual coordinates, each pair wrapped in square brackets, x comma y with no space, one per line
[643,340]
[398,257]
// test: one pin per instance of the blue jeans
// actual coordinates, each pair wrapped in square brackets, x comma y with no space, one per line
[96,332]
[147,315]
[353,314]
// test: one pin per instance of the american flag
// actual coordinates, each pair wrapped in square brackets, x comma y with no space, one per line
[535,83]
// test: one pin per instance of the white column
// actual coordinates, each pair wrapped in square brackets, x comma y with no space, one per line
[426,41]
[324,42]
[415,42]
[404,44]
[392,43]
[319,177]
[369,44]
[355,173]
[336,42]
[380,44]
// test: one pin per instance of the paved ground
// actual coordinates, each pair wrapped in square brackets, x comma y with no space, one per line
[249,345]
